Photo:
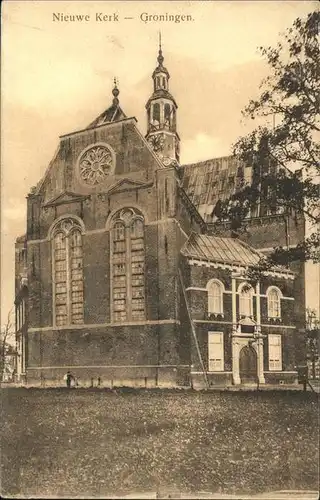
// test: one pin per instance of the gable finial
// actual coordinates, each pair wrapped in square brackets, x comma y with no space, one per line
[115,93]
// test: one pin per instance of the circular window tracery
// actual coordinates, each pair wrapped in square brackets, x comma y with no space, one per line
[95,164]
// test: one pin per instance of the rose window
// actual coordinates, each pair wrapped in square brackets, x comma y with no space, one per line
[95,165]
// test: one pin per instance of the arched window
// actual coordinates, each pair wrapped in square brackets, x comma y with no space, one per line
[156,112]
[215,297]
[173,119]
[67,273]
[274,304]
[128,274]
[167,115]
[245,300]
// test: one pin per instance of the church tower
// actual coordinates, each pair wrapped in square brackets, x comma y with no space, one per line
[162,115]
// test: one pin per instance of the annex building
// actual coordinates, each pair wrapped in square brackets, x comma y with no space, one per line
[123,275]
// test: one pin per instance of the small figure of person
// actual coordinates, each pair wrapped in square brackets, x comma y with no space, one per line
[69,377]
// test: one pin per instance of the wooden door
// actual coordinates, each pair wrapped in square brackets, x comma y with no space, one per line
[248,365]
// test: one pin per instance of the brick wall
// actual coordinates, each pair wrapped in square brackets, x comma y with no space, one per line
[116,346]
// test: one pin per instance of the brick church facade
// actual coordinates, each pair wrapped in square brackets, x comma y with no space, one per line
[122,274]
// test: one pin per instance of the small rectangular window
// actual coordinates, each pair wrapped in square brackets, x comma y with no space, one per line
[60,255]
[119,269]
[119,304]
[119,293]
[119,281]
[76,285]
[119,246]
[137,244]
[137,303]
[119,258]
[137,267]
[61,276]
[137,280]
[119,316]
[61,287]
[215,351]
[61,319]
[275,352]
[137,256]
[61,298]
[137,292]
[60,265]
[138,315]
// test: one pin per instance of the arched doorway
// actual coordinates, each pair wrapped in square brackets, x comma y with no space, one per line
[248,365]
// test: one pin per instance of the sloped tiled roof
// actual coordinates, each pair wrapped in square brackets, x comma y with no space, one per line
[230,251]
[208,181]
[224,250]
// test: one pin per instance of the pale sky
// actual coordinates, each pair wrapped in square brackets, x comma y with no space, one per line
[57,76]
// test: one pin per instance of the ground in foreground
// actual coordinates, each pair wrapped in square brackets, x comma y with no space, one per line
[59,442]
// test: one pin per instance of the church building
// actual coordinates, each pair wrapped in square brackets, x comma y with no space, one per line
[123,276]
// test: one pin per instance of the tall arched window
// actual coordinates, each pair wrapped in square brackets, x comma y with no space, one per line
[215,297]
[174,119]
[128,274]
[156,112]
[246,300]
[67,273]
[167,115]
[274,304]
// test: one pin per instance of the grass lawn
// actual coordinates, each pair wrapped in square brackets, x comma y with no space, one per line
[97,443]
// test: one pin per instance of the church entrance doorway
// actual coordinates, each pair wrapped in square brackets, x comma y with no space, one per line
[248,365]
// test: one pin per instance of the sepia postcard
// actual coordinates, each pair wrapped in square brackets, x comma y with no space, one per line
[160,235]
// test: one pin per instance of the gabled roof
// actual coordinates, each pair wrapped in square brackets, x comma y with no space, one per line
[127,184]
[113,114]
[225,251]
[65,197]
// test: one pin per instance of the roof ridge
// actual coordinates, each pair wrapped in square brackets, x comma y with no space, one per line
[210,159]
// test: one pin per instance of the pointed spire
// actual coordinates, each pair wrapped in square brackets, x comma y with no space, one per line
[160,56]
[115,93]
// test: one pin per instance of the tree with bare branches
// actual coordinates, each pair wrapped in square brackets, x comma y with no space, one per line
[6,348]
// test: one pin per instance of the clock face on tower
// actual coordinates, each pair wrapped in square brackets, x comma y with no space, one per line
[157,142]
[95,164]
